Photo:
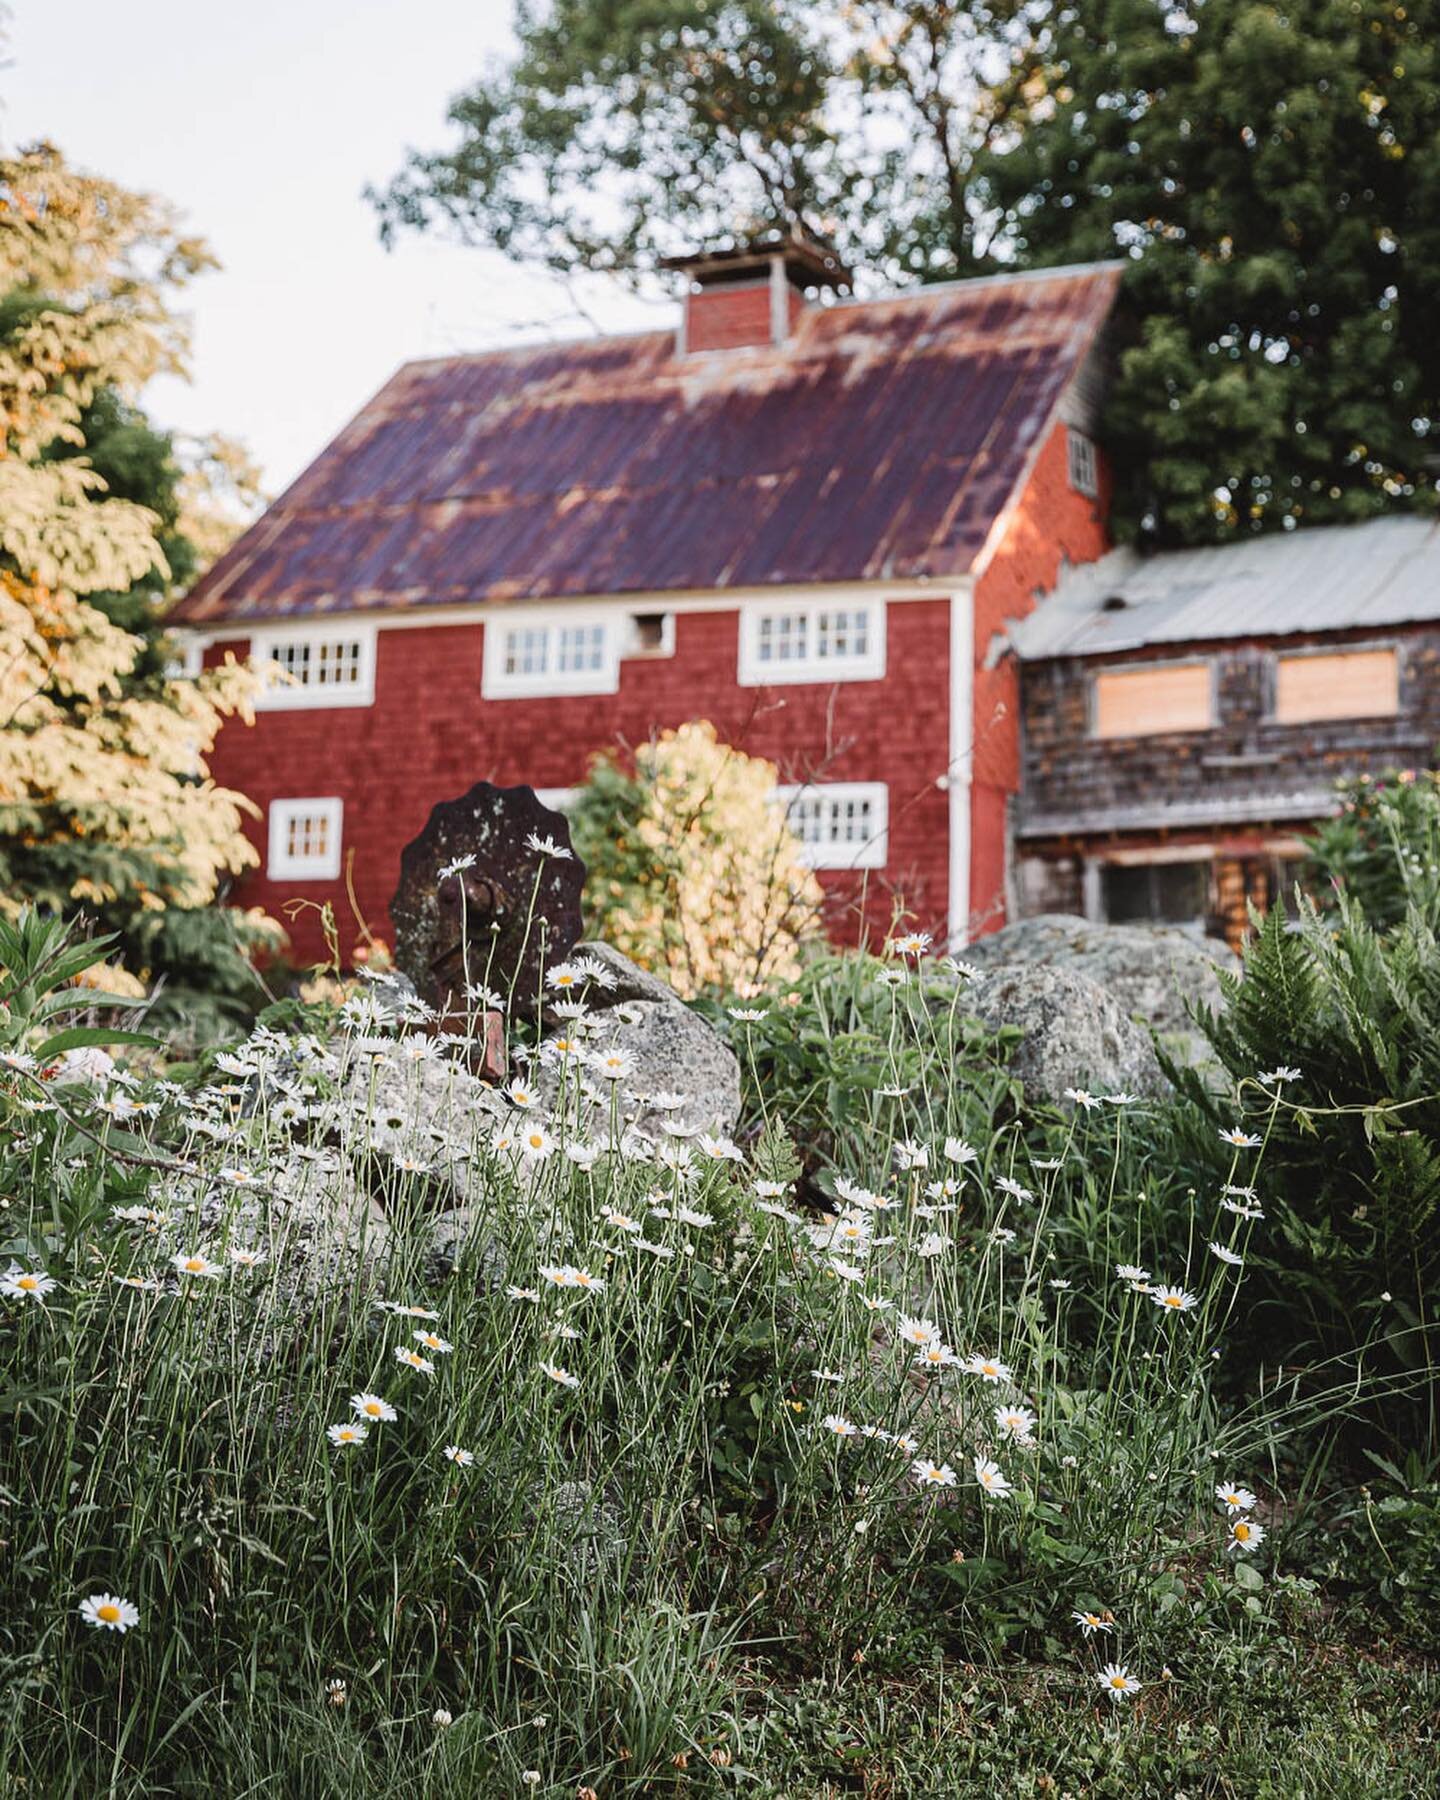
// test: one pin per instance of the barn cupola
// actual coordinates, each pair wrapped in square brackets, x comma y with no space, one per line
[752,293]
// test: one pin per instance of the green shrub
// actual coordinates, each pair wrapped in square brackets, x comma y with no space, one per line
[1383,848]
[1332,1037]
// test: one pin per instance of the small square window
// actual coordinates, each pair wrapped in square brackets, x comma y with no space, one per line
[305,840]
[582,648]
[526,650]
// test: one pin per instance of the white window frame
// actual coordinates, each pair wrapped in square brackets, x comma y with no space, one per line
[1082,462]
[283,696]
[873,852]
[754,672]
[281,864]
[499,683]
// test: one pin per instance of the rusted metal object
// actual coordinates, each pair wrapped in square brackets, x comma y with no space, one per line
[879,442]
[483,905]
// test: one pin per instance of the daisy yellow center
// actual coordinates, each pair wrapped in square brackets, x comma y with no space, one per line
[373,1410]
[989,1368]
[194,1262]
[27,1282]
[1172,1300]
[1242,1532]
[108,1613]
[1117,1681]
[536,1140]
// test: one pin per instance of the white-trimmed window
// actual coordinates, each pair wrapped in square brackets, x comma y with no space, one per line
[319,666]
[550,653]
[1084,472]
[826,640]
[840,824]
[305,839]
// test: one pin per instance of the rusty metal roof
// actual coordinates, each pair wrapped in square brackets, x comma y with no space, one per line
[1325,578]
[879,442]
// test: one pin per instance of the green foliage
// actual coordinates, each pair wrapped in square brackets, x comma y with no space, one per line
[1383,847]
[692,870]
[720,1503]
[835,1047]
[627,130]
[1274,174]
[1353,1139]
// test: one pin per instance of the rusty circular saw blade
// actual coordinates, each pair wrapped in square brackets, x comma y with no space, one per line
[491,824]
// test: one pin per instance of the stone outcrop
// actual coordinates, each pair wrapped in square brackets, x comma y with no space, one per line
[1154,972]
[1075,1032]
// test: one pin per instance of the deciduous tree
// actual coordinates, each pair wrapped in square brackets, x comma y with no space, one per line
[106,803]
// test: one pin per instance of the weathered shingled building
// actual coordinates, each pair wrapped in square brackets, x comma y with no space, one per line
[1185,716]
[806,522]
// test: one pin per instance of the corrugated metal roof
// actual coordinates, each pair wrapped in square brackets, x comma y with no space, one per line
[1331,578]
[880,441]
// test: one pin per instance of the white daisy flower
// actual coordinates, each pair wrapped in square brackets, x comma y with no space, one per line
[18,1283]
[1117,1681]
[371,1406]
[929,1474]
[108,1612]
[194,1263]
[991,1478]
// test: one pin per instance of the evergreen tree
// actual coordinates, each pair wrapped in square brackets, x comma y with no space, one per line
[1273,173]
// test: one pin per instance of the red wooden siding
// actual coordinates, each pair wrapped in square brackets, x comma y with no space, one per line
[1051,524]
[429,736]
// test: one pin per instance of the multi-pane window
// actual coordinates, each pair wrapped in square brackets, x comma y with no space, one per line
[304,840]
[526,650]
[840,824]
[317,668]
[582,649]
[1084,474]
[799,641]
[536,655]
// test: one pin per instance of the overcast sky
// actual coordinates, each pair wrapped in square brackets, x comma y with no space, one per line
[264,121]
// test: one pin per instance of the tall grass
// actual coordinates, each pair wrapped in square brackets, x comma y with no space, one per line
[681,1434]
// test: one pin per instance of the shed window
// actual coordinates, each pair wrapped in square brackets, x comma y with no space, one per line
[1175,893]
[1345,684]
[317,667]
[1145,701]
[840,824]
[807,642]
[304,840]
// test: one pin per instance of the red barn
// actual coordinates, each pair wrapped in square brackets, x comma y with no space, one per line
[808,523]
